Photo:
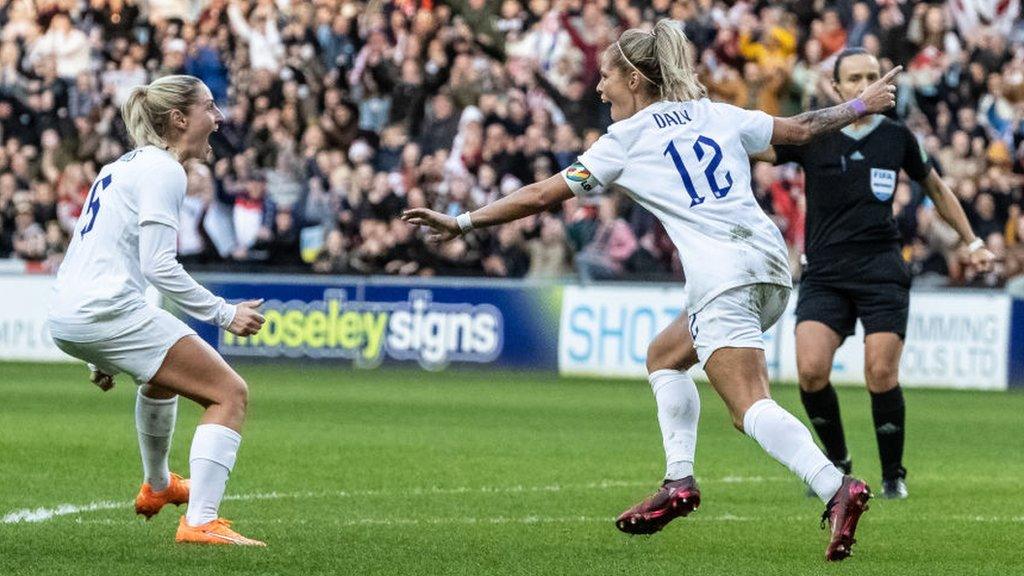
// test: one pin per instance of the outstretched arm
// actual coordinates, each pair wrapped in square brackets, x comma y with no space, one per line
[237,22]
[802,128]
[528,200]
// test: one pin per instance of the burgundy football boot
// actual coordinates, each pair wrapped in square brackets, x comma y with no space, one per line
[842,513]
[675,498]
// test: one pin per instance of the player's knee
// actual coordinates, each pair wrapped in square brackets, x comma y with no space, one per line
[813,382]
[236,394]
[813,376]
[881,376]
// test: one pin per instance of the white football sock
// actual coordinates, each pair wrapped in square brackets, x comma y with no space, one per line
[678,413]
[154,422]
[214,449]
[788,441]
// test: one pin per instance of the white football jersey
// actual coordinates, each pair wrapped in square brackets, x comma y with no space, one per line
[100,287]
[688,163]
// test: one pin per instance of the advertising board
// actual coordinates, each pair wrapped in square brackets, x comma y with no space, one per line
[368,323]
[955,339]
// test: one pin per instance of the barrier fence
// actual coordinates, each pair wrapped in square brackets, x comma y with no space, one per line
[955,338]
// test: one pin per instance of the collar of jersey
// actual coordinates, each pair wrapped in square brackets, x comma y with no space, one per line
[159,149]
[649,108]
[861,133]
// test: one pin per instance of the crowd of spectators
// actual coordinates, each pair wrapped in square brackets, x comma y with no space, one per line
[340,114]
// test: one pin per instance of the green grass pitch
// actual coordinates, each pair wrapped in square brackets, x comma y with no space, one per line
[402,473]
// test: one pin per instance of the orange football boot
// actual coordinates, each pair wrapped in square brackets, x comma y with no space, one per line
[213,532]
[148,502]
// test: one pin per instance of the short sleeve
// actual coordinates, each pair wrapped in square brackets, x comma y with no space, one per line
[597,168]
[755,127]
[161,192]
[915,159]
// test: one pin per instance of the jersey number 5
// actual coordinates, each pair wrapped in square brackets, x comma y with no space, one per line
[93,204]
[699,146]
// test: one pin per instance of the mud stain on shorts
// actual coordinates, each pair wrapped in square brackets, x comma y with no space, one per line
[759,295]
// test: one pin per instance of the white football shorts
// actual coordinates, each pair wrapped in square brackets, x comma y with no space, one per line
[737,318]
[139,352]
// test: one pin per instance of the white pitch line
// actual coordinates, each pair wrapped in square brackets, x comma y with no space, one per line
[42,514]
[997,519]
[528,520]
[724,517]
[400,521]
[465,520]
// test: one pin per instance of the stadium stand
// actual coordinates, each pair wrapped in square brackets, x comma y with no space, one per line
[340,114]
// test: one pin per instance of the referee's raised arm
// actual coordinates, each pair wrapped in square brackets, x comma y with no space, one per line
[802,128]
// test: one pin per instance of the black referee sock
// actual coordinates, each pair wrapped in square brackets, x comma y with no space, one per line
[823,410]
[889,414]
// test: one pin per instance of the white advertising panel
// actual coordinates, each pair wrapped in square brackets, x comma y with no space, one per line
[23,333]
[954,339]
[23,306]
[605,331]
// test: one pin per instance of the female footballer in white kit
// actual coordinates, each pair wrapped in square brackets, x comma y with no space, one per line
[125,239]
[685,159]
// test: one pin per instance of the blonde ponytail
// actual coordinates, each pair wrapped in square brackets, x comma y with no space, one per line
[137,119]
[147,111]
[663,57]
[675,57]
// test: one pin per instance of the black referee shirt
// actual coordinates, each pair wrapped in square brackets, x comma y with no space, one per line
[850,179]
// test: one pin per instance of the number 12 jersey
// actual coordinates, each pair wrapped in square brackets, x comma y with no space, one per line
[688,163]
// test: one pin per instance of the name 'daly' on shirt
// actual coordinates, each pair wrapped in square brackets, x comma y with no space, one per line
[673,118]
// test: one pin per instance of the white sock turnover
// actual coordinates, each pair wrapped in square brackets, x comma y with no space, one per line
[678,413]
[154,422]
[788,441]
[214,449]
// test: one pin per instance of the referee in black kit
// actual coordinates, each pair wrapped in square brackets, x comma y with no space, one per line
[854,268]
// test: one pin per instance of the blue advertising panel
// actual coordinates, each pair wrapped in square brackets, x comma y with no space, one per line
[370,322]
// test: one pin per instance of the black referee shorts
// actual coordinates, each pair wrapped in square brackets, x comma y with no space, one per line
[874,288]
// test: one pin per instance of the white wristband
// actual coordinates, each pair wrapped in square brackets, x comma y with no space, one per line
[465,224]
[978,243]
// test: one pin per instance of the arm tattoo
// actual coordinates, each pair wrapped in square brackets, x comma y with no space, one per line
[818,122]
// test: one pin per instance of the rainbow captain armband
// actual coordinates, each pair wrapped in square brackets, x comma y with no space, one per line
[580,180]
